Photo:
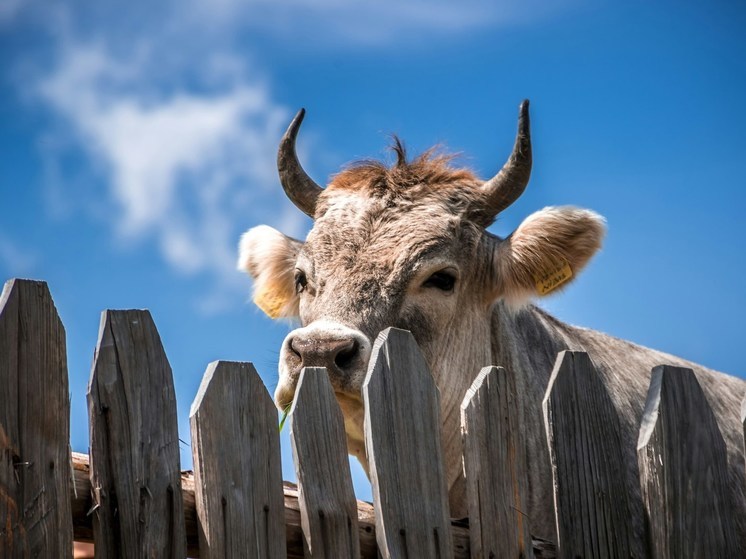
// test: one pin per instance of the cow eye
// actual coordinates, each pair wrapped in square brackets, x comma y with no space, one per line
[300,281]
[442,280]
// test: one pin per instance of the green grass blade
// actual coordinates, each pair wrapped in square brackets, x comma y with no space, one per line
[284,417]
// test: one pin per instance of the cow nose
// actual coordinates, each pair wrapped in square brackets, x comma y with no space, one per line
[332,353]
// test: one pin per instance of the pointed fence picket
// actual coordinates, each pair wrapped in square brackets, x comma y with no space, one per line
[406,460]
[237,470]
[683,471]
[495,467]
[35,519]
[592,508]
[327,500]
[134,441]
[131,500]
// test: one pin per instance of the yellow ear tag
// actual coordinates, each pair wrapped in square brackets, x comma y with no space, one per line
[270,302]
[552,278]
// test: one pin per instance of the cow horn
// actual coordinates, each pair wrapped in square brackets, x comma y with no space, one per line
[299,187]
[504,188]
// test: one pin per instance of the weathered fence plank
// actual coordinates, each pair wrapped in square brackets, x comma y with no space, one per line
[402,426]
[237,470]
[134,442]
[327,500]
[592,510]
[495,467]
[35,518]
[683,471]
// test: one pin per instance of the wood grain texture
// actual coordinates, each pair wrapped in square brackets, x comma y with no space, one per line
[402,441]
[237,469]
[327,500]
[495,467]
[82,503]
[134,442]
[81,498]
[585,444]
[683,471]
[35,519]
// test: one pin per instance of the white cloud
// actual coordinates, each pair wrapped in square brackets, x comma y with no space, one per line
[183,168]
[187,151]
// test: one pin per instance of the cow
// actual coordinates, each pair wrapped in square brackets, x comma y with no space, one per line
[406,245]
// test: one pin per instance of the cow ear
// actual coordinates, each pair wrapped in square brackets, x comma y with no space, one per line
[269,257]
[546,252]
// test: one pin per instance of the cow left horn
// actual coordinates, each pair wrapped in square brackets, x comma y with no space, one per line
[504,188]
[299,187]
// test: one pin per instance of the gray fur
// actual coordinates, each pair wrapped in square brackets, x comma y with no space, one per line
[380,232]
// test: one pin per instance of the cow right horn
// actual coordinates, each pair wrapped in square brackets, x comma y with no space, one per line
[504,188]
[299,187]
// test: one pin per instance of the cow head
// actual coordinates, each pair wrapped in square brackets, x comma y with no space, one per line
[406,246]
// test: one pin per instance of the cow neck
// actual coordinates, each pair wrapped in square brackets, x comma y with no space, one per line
[526,341]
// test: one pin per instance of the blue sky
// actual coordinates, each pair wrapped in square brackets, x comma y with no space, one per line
[137,141]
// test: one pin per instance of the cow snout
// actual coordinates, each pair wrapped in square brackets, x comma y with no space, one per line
[324,352]
[343,351]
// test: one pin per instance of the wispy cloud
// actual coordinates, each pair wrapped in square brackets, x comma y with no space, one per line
[185,169]
[186,151]
[310,23]
[9,9]
[369,21]
[15,259]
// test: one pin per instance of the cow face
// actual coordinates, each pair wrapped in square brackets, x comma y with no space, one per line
[406,246]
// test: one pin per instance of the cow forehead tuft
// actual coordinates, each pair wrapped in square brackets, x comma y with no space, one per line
[428,172]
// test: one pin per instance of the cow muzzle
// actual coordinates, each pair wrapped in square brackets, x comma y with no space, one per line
[343,351]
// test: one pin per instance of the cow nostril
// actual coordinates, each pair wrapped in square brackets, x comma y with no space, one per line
[320,352]
[345,356]
[296,347]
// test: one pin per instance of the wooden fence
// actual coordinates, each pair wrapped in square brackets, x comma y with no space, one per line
[132,500]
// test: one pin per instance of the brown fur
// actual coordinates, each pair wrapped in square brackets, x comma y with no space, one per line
[429,170]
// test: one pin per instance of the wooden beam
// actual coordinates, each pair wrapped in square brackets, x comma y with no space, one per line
[80,496]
